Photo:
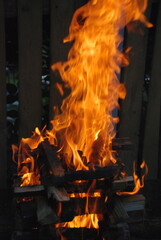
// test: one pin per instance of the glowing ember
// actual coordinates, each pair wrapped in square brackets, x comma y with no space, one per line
[87,220]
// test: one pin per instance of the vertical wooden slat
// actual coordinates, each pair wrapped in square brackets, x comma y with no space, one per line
[133,77]
[3,128]
[30,43]
[61,15]
[151,143]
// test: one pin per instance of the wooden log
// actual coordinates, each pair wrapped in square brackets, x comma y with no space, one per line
[101,172]
[45,213]
[61,15]
[52,160]
[3,125]
[125,184]
[29,190]
[60,194]
[90,205]
[30,43]
[117,211]
[133,78]
[151,142]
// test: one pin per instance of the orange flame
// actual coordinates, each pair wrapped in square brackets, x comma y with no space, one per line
[138,182]
[27,158]
[87,220]
[84,195]
[86,122]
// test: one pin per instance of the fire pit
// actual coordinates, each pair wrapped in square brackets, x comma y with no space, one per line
[70,178]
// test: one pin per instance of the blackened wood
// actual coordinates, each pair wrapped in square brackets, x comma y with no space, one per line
[61,15]
[96,205]
[84,186]
[52,160]
[45,213]
[151,142]
[30,63]
[124,184]
[116,211]
[133,77]
[3,126]
[81,233]
[104,172]
[121,144]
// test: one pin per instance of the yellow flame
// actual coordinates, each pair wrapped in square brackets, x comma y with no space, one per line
[138,181]
[87,220]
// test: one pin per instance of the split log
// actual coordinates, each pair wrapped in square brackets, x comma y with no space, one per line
[45,213]
[53,162]
[29,190]
[60,194]
[108,172]
[95,205]
[124,184]
[116,210]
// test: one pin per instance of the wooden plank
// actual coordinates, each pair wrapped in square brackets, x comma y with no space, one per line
[30,43]
[151,143]
[61,15]
[133,77]
[3,127]
[108,172]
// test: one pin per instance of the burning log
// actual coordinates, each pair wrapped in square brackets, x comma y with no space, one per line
[108,172]
[54,163]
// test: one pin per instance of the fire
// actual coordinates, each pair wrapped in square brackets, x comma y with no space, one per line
[86,123]
[86,120]
[138,181]
[26,159]
[83,195]
[87,220]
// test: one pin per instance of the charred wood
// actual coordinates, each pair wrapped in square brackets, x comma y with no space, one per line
[45,213]
[53,161]
[108,172]
[122,144]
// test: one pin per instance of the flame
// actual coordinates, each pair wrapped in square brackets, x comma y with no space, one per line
[86,122]
[87,220]
[138,181]
[84,195]
[26,158]
[84,126]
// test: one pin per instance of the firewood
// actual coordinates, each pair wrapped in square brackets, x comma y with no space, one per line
[60,194]
[101,172]
[116,210]
[123,184]
[96,205]
[54,163]
[29,190]
[45,213]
